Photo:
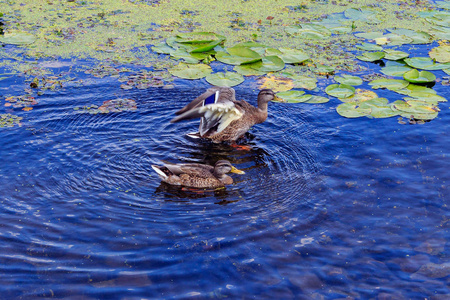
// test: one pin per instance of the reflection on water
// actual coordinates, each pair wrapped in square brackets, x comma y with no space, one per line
[329,207]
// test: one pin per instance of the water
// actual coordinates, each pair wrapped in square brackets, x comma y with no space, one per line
[329,207]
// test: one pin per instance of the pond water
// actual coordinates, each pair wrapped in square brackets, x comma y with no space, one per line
[329,207]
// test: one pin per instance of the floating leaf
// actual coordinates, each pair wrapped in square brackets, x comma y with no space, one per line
[349,80]
[189,71]
[395,70]
[415,90]
[269,64]
[225,79]
[317,99]
[352,110]
[303,82]
[441,54]
[370,35]
[390,84]
[247,70]
[163,48]
[415,76]
[323,70]
[360,96]
[371,56]
[395,54]
[397,40]
[118,105]
[340,90]
[417,37]
[292,56]
[28,108]
[198,37]
[294,96]
[369,47]
[238,56]
[276,83]
[379,108]
[425,63]
[8,120]
[17,38]
[364,15]
[415,109]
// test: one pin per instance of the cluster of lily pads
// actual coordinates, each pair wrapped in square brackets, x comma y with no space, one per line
[115,105]
[25,101]
[9,120]
[145,80]
[248,58]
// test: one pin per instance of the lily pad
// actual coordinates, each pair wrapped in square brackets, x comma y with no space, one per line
[417,110]
[238,56]
[370,35]
[276,83]
[425,63]
[292,56]
[395,54]
[415,76]
[294,96]
[225,79]
[379,108]
[303,82]
[365,15]
[17,38]
[398,70]
[349,80]
[9,120]
[189,71]
[340,90]
[198,37]
[390,84]
[369,47]
[247,70]
[441,54]
[269,64]
[360,96]
[418,37]
[163,48]
[352,110]
[371,56]
[323,70]
[317,99]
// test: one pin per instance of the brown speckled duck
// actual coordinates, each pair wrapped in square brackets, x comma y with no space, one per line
[197,175]
[223,118]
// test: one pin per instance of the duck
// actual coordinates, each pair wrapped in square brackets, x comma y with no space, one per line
[196,175]
[222,117]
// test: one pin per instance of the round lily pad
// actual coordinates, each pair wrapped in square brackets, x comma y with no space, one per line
[371,56]
[415,109]
[292,56]
[418,37]
[294,96]
[238,56]
[349,80]
[441,53]
[395,54]
[340,90]
[189,71]
[317,99]
[247,70]
[395,70]
[415,76]
[352,110]
[379,108]
[225,79]
[269,64]
[17,38]
[425,63]
[390,84]
[360,96]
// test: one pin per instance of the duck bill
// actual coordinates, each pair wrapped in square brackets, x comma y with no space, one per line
[278,99]
[237,171]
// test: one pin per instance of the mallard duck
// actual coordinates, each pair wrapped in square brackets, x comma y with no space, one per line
[197,175]
[223,118]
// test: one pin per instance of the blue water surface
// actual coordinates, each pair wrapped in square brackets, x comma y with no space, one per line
[329,207]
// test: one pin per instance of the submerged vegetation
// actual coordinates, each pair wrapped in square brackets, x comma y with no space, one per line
[287,47]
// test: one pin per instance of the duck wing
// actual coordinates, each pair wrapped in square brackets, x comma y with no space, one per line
[194,169]
[216,108]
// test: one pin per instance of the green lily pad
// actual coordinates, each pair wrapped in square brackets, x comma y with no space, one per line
[441,54]
[323,70]
[197,48]
[189,71]
[414,90]
[370,35]
[398,70]
[379,108]
[247,70]
[292,56]
[369,47]
[395,54]
[416,109]
[443,4]
[360,96]
[365,15]
[349,80]
[415,76]
[294,96]
[352,110]
[390,84]
[303,82]
[238,56]
[418,37]
[225,79]
[371,56]
[425,63]
[397,39]
[163,48]
[309,31]
[198,37]
[340,90]
[181,53]
[269,64]
[17,38]
[317,99]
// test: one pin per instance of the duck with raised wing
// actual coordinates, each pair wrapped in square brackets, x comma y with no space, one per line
[223,118]
[197,175]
